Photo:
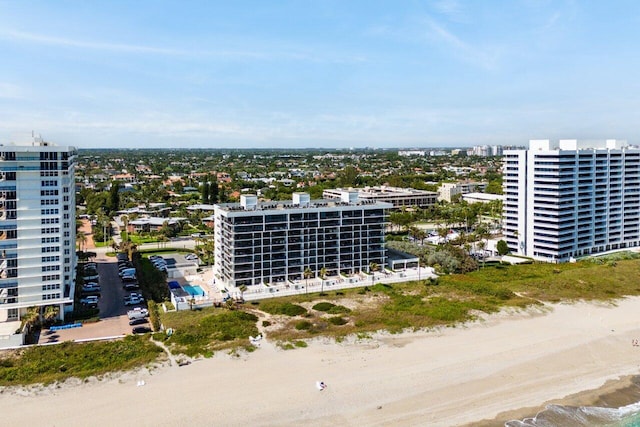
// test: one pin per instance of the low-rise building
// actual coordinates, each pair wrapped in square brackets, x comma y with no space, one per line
[448,190]
[398,197]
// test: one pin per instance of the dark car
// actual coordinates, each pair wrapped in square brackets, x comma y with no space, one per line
[131,286]
[141,330]
[137,321]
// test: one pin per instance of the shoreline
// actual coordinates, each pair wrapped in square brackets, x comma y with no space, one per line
[506,365]
[614,393]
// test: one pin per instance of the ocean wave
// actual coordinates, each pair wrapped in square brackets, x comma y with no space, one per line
[588,416]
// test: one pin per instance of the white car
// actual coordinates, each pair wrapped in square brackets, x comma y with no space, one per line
[137,313]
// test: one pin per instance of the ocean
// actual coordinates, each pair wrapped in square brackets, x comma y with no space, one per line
[619,407]
[591,416]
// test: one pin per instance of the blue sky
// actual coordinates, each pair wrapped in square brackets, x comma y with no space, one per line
[332,74]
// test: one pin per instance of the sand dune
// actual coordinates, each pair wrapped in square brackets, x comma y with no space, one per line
[451,376]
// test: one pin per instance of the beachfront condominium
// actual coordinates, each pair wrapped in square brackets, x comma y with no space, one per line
[570,198]
[272,242]
[37,227]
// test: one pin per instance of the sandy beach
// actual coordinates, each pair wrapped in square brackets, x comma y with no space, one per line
[507,363]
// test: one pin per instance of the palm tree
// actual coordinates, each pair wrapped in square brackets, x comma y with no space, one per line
[373,266]
[323,274]
[82,241]
[242,289]
[307,275]
[129,248]
[30,318]
[51,313]
[125,221]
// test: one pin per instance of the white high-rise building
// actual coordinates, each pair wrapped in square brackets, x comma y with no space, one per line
[37,227]
[571,198]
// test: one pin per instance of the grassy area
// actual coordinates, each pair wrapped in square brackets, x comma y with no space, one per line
[201,332]
[455,299]
[47,364]
[358,311]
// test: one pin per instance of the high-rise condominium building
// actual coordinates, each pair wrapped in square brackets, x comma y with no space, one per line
[571,198]
[271,242]
[37,227]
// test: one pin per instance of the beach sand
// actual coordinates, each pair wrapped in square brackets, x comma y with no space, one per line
[507,365]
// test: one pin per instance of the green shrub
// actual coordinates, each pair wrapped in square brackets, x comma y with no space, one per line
[285,308]
[323,306]
[303,325]
[339,309]
[338,321]
[154,315]
[266,323]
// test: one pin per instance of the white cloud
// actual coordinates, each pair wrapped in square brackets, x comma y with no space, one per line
[485,57]
[451,9]
[262,50]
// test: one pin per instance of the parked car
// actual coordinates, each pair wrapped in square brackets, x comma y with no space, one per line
[129,278]
[91,287]
[134,295]
[137,313]
[127,272]
[89,300]
[131,286]
[191,257]
[93,278]
[133,301]
[141,330]
[138,321]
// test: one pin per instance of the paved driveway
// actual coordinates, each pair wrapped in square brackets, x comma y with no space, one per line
[113,312]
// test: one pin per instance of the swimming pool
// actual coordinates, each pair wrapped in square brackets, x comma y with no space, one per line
[193,290]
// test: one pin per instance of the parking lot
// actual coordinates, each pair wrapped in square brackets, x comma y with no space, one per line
[113,312]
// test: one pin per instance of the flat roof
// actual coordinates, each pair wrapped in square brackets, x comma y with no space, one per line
[312,204]
[383,191]
[9,328]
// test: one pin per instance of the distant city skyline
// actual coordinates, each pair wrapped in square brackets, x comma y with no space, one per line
[319,74]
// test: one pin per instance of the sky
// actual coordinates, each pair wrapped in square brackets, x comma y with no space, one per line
[318,74]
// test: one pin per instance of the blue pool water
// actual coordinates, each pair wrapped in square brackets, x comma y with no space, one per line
[193,290]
